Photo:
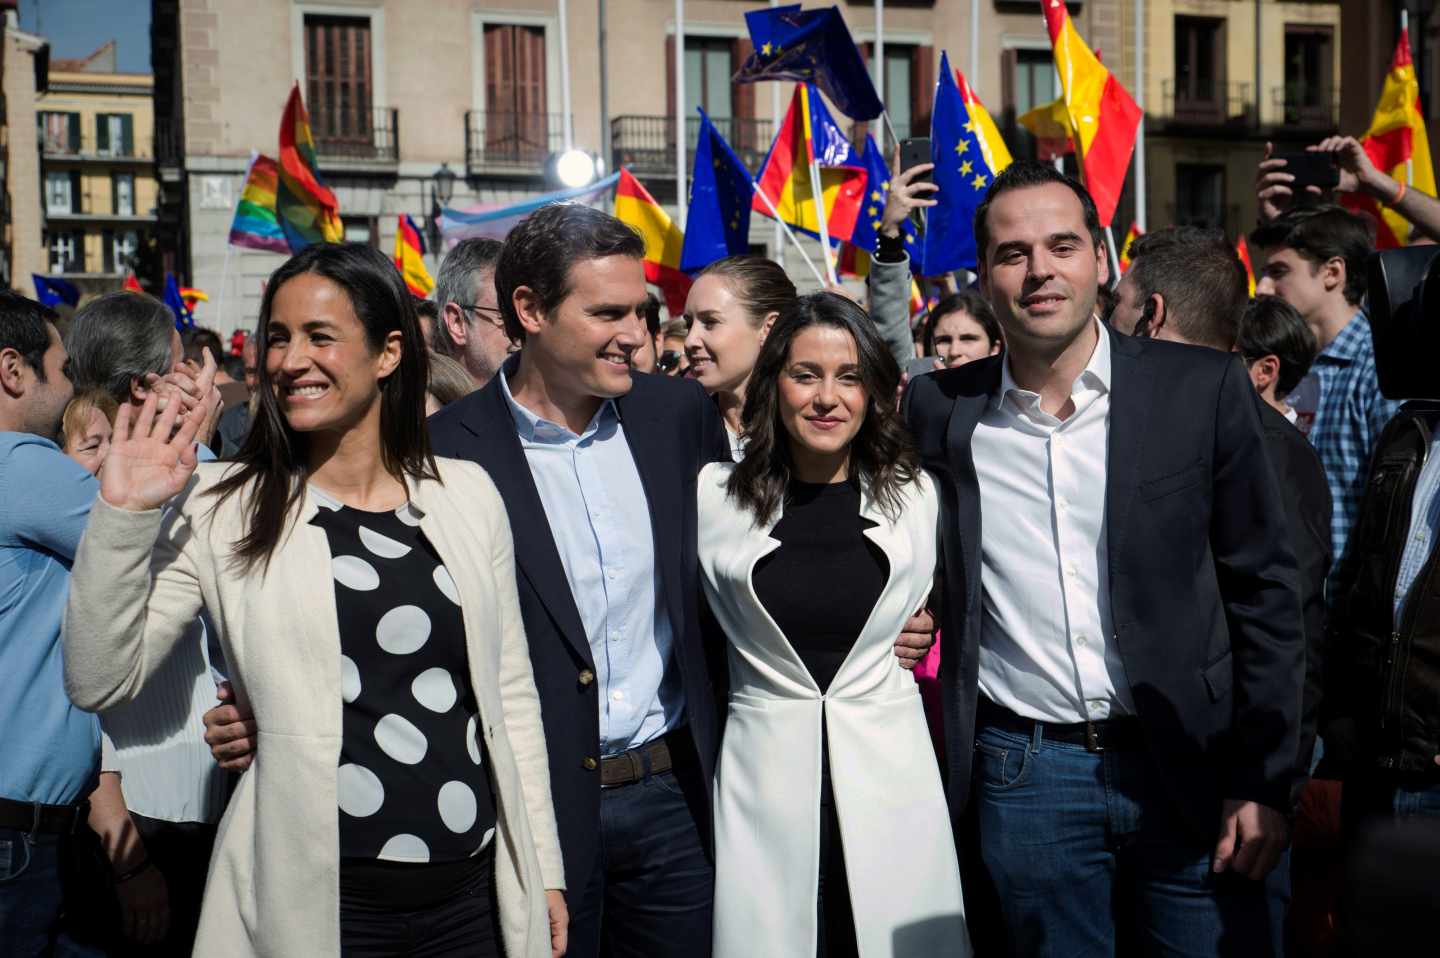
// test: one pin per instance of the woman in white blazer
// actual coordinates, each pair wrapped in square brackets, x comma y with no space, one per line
[364,595]
[831,830]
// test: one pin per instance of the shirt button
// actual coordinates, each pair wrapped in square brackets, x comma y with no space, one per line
[589,764]
[1071,571]
[610,573]
[1063,503]
[1080,640]
[1096,705]
[614,635]
[617,695]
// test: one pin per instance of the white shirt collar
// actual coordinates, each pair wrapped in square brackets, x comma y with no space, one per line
[1095,375]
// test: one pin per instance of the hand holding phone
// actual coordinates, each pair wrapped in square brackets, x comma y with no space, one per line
[1310,168]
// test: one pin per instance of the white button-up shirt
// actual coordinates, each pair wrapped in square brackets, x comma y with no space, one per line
[1047,647]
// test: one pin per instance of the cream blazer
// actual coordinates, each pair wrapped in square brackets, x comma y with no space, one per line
[138,582]
[900,858]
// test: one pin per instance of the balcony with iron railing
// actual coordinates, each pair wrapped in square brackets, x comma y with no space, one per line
[646,144]
[516,143]
[348,138]
[64,146]
[1224,217]
[1227,106]
[1312,107]
[168,150]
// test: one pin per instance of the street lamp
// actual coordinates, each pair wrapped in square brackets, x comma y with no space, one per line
[442,188]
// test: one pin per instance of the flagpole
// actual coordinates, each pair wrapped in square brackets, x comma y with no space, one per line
[224,281]
[1140,102]
[879,60]
[1114,257]
[974,41]
[680,194]
[1405,32]
[567,134]
[778,239]
[781,227]
[817,191]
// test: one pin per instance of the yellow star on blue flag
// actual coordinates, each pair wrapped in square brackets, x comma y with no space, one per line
[721,191]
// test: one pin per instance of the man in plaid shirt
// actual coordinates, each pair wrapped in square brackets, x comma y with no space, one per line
[1314,259]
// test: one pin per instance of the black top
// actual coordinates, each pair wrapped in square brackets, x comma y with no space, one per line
[821,585]
[412,781]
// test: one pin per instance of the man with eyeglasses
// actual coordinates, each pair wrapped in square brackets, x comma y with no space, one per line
[470,328]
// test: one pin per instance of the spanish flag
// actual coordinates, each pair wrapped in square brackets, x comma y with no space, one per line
[1130,239]
[808,132]
[410,257]
[1243,251]
[308,211]
[992,147]
[1104,115]
[1398,145]
[635,207]
[1050,125]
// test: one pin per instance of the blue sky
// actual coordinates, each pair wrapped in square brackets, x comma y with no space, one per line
[76,27]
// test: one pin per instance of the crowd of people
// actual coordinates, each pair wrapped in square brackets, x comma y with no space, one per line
[525,621]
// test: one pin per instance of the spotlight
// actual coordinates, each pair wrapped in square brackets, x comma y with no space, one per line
[574,168]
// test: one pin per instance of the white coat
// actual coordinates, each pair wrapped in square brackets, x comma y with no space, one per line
[900,860]
[273,887]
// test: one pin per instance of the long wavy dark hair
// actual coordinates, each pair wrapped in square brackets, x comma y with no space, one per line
[276,457]
[882,455]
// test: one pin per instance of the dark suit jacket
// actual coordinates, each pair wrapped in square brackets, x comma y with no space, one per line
[1202,574]
[673,431]
[1307,510]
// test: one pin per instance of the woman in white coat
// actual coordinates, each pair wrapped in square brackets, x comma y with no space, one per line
[364,596]
[832,833]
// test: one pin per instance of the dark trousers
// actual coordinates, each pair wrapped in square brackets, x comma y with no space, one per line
[1391,826]
[381,918]
[181,852]
[1087,857]
[651,892]
[34,874]
[836,916]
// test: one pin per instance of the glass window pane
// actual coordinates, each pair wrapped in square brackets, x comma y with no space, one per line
[717,82]
[694,80]
[897,92]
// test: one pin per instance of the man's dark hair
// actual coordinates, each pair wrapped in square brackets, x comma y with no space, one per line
[24,327]
[200,338]
[118,338]
[1023,174]
[540,251]
[456,281]
[1201,278]
[1322,233]
[650,312]
[1272,327]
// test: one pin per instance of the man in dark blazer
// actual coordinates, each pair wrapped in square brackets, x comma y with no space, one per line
[597,466]
[1123,652]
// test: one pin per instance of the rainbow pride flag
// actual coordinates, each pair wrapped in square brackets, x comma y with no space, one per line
[308,211]
[256,225]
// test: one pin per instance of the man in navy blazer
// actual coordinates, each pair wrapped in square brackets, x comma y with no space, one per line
[1123,653]
[597,466]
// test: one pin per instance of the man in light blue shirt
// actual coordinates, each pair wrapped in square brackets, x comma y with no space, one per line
[606,546]
[49,750]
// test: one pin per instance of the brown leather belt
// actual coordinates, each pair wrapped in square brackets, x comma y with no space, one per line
[33,817]
[1120,734]
[631,766]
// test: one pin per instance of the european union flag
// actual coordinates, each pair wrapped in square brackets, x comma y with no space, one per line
[52,290]
[184,319]
[813,46]
[721,191]
[963,180]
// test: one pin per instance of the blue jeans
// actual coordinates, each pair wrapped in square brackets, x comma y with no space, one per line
[32,898]
[651,893]
[1087,856]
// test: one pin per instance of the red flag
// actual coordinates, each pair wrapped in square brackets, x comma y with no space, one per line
[131,283]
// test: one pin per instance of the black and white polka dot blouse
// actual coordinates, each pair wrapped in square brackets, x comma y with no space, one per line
[413,786]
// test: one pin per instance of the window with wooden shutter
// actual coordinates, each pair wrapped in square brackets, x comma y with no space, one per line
[338,87]
[60,132]
[115,134]
[516,122]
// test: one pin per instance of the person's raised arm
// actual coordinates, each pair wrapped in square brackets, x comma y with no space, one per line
[1359,175]
[890,264]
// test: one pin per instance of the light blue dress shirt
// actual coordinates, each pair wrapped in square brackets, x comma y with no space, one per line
[600,520]
[1424,526]
[49,749]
